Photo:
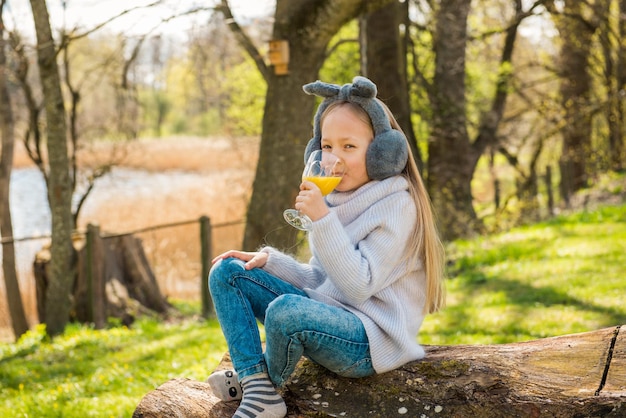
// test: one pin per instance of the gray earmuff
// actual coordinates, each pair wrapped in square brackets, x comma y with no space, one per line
[388,153]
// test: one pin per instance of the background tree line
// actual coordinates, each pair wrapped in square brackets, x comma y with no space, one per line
[490,86]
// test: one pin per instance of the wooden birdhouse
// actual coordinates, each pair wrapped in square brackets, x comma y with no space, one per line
[279,56]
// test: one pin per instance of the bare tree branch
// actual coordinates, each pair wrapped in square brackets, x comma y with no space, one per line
[99,26]
[91,182]
[340,42]
[32,137]
[243,39]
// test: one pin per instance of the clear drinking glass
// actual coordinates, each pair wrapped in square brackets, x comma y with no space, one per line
[325,170]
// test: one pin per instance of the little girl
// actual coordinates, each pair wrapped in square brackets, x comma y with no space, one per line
[376,268]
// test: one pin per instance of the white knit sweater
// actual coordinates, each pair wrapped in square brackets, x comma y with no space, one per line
[358,263]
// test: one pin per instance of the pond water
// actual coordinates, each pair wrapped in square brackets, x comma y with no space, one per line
[30,212]
[29,205]
[31,216]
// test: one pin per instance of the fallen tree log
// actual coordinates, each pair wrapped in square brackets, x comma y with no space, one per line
[577,375]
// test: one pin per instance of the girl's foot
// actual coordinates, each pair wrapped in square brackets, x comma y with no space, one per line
[225,385]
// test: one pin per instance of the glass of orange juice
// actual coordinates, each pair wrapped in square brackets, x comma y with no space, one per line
[325,170]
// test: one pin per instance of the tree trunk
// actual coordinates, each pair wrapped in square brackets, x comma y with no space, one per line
[307,26]
[617,134]
[384,50]
[451,159]
[11,282]
[59,179]
[577,33]
[573,375]
[452,156]
[114,280]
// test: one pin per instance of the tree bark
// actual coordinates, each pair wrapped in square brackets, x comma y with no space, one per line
[620,144]
[577,31]
[59,179]
[451,159]
[308,27]
[452,155]
[113,280]
[11,282]
[384,50]
[617,115]
[567,376]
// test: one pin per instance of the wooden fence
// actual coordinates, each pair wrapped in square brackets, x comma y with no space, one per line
[93,236]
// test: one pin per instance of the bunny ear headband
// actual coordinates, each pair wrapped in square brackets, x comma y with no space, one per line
[387,154]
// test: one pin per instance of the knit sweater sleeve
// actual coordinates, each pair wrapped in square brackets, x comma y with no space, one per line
[290,270]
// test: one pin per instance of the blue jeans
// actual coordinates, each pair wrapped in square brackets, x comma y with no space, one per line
[295,325]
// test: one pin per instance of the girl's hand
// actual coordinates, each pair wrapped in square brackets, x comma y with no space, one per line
[311,202]
[252,259]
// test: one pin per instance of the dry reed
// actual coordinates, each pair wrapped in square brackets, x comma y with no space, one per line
[221,173]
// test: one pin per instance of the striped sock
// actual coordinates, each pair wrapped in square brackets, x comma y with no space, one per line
[260,399]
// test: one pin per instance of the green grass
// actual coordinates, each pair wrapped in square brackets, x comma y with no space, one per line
[563,276]
[89,373]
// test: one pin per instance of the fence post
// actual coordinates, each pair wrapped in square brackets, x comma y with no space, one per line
[95,277]
[206,254]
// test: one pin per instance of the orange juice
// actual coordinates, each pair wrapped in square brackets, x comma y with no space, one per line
[326,184]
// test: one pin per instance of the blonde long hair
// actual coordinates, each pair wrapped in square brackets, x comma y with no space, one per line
[425,241]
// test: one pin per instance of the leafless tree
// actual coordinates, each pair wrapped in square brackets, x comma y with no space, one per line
[62,254]
[11,282]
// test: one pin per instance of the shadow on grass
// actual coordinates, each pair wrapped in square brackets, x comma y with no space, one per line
[491,305]
[520,301]
[151,352]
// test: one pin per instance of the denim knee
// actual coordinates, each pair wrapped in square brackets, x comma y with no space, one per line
[284,311]
[222,272]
